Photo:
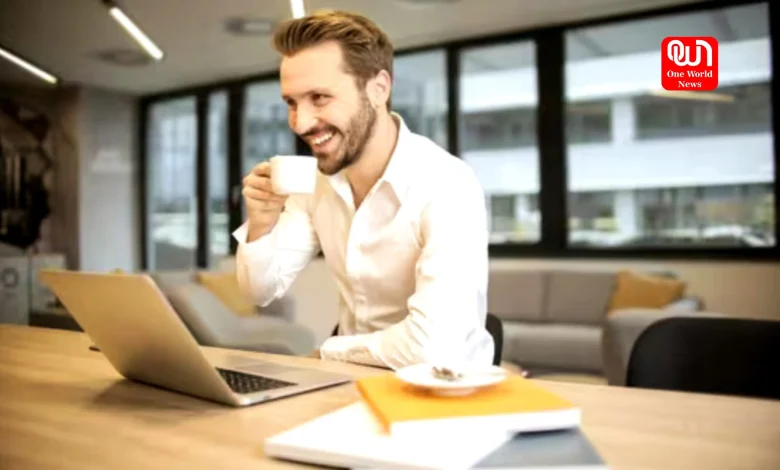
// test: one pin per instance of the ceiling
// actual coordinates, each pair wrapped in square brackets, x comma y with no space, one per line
[65,37]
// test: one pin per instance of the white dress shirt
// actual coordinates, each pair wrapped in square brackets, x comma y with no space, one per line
[411,263]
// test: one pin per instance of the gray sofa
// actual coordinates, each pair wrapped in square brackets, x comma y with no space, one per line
[272,330]
[553,318]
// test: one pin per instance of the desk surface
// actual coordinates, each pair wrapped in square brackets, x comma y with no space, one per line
[63,406]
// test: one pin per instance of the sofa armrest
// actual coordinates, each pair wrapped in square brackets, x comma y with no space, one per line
[213,324]
[277,337]
[621,330]
[282,308]
[689,303]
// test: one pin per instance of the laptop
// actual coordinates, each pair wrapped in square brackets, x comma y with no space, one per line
[130,320]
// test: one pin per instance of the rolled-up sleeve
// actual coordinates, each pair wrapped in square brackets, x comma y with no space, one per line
[267,267]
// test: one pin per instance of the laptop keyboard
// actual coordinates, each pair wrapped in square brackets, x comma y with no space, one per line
[243,383]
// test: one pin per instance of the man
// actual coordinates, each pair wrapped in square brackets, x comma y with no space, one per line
[401,223]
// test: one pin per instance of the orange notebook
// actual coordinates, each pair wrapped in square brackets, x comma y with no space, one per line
[514,405]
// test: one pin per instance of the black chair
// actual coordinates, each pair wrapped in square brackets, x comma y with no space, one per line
[496,329]
[727,356]
[492,324]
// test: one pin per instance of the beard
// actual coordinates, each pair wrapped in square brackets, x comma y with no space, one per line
[353,139]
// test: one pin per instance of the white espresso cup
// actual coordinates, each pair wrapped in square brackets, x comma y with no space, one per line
[293,174]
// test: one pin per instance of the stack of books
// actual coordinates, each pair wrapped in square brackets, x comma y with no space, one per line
[515,423]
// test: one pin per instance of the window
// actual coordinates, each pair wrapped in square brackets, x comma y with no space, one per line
[733,110]
[172,199]
[498,134]
[420,93]
[627,169]
[218,242]
[589,122]
[670,168]
[266,131]
[496,130]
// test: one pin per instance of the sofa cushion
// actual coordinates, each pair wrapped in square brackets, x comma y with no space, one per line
[516,294]
[579,297]
[635,290]
[553,346]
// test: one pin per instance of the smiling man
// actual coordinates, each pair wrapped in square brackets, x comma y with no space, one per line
[401,222]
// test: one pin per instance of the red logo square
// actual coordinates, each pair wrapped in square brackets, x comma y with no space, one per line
[689,63]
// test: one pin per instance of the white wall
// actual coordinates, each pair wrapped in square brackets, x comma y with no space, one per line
[108,206]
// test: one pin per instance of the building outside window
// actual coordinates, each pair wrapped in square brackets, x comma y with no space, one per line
[677,168]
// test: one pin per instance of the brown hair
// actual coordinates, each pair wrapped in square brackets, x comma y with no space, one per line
[366,48]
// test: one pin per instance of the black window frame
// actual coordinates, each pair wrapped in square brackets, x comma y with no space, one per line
[551,137]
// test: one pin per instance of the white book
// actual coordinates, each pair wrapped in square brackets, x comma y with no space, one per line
[352,437]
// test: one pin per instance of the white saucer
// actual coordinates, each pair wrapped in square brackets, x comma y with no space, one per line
[474,378]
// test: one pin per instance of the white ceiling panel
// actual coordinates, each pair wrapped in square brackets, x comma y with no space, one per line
[64,36]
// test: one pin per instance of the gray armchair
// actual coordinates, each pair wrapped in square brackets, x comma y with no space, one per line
[272,330]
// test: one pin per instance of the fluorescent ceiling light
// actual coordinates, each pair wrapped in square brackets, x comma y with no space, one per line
[297,8]
[37,71]
[135,32]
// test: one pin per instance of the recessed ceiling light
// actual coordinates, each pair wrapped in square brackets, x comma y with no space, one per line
[242,26]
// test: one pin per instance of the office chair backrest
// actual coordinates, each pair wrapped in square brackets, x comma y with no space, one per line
[727,356]
[496,330]
[492,324]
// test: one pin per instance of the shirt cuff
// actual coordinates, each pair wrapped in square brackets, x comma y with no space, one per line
[351,348]
[257,248]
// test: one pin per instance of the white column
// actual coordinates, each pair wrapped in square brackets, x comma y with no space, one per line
[623,121]
[627,213]
[522,210]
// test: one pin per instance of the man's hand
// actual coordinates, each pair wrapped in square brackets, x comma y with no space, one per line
[263,206]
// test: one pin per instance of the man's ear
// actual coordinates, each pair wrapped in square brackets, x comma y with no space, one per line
[379,89]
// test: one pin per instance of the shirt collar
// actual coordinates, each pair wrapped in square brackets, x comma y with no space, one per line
[397,173]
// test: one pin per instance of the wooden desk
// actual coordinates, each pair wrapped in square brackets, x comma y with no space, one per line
[63,406]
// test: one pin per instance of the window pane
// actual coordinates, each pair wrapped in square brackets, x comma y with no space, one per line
[217,211]
[266,131]
[654,168]
[172,198]
[420,94]
[498,135]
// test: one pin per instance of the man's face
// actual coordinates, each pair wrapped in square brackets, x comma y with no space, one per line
[325,106]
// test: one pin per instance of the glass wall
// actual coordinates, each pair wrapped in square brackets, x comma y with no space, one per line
[266,131]
[497,124]
[637,167]
[218,242]
[171,195]
[419,93]
[265,127]
[656,168]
